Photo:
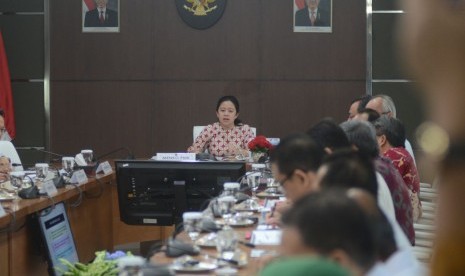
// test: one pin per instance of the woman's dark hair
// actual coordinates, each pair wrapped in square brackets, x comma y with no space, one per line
[2,112]
[235,102]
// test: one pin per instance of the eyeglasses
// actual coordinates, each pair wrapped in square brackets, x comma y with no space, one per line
[285,179]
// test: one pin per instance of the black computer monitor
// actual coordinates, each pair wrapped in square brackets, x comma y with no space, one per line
[158,192]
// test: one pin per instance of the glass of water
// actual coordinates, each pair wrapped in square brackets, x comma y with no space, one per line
[88,155]
[68,165]
[226,243]
[225,208]
[231,188]
[41,171]
[192,222]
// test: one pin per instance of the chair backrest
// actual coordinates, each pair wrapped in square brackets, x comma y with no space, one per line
[198,129]
[7,149]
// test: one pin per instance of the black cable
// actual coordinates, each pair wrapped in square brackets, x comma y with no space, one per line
[78,201]
[49,209]
[97,195]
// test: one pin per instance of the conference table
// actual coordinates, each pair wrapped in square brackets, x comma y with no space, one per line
[253,264]
[95,224]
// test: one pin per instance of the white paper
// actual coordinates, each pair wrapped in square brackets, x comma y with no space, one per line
[79,177]
[50,188]
[266,237]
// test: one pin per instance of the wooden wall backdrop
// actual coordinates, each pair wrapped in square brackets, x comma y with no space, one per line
[146,86]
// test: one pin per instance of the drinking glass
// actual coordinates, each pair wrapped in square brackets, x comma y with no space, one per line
[231,188]
[68,165]
[16,180]
[226,243]
[253,180]
[41,171]
[225,206]
[192,222]
[88,155]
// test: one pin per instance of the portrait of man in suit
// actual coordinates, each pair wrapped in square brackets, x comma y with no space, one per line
[100,15]
[314,13]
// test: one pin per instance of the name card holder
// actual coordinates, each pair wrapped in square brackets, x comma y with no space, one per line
[104,167]
[79,177]
[175,157]
[50,188]
[266,237]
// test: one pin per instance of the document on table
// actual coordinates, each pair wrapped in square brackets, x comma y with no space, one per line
[266,237]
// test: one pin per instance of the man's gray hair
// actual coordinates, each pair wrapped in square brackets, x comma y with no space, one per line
[388,105]
[362,135]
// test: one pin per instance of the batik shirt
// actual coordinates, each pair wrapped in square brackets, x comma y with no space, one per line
[222,142]
[404,163]
[400,196]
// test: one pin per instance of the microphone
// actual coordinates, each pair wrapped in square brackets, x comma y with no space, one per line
[177,248]
[130,155]
[47,152]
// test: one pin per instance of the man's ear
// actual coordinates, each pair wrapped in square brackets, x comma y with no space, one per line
[340,257]
[308,179]
[328,150]
[382,140]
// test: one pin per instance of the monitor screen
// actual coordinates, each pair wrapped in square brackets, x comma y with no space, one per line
[58,237]
[158,192]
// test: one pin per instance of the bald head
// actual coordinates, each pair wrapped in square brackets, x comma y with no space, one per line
[384,105]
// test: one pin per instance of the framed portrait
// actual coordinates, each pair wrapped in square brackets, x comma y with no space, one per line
[100,16]
[313,16]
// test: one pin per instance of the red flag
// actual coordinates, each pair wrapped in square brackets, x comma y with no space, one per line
[89,4]
[6,97]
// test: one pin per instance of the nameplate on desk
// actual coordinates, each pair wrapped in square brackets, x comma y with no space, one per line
[2,211]
[50,188]
[266,237]
[175,157]
[79,177]
[104,167]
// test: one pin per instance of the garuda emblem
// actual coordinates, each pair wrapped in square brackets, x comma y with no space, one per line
[200,7]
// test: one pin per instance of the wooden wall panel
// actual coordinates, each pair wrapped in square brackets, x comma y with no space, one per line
[101,115]
[313,56]
[228,50]
[291,107]
[147,86]
[102,56]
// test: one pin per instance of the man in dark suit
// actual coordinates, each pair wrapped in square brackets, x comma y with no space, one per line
[313,15]
[101,16]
